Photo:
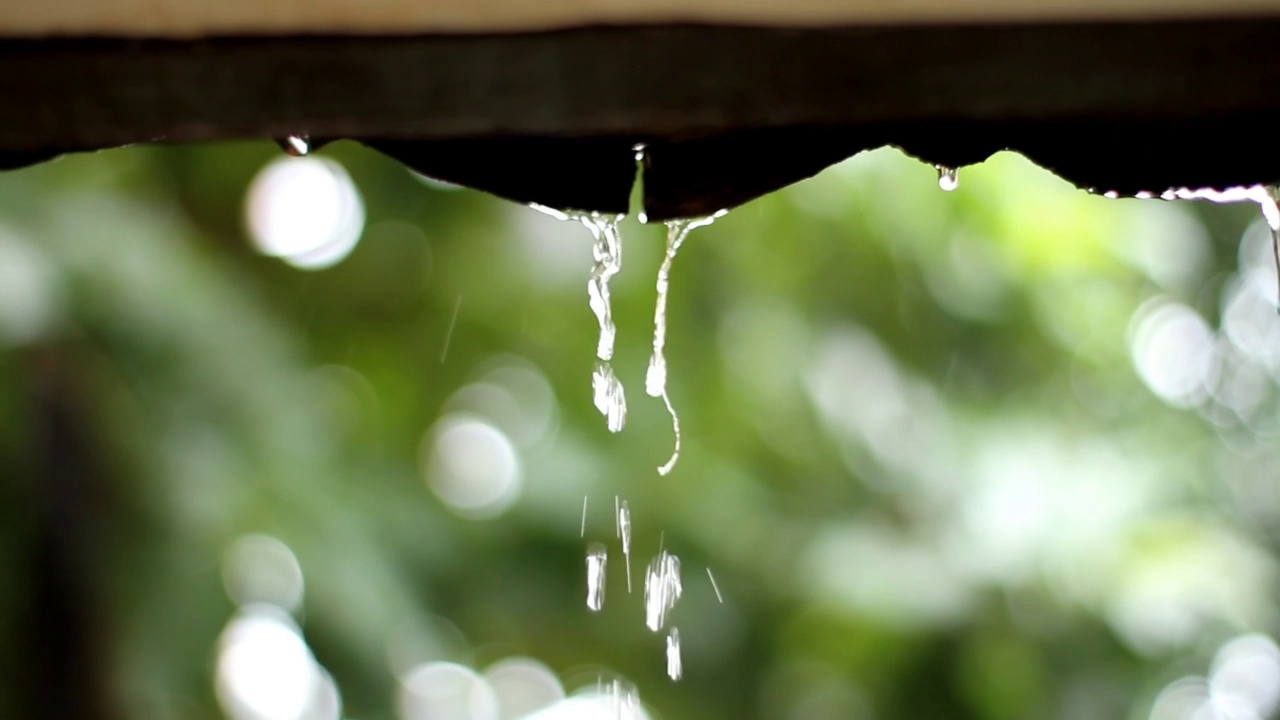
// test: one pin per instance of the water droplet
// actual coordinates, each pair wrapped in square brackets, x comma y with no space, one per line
[948,177]
[609,397]
[583,531]
[655,381]
[1111,194]
[624,532]
[674,669]
[295,145]
[597,561]
[662,589]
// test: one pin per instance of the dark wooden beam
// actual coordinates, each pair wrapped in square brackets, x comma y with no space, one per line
[727,113]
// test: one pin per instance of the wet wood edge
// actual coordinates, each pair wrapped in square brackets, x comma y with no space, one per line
[749,109]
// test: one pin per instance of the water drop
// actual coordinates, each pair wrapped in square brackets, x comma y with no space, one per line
[597,561]
[624,532]
[674,669]
[662,589]
[948,177]
[583,531]
[1111,194]
[623,701]
[655,381]
[609,397]
[295,145]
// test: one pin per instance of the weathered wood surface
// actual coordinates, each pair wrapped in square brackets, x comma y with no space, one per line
[196,18]
[727,113]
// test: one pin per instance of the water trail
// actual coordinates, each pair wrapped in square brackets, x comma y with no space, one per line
[948,177]
[662,589]
[597,561]
[448,334]
[655,379]
[674,669]
[583,531]
[624,532]
[714,586]
[606,250]
[295,145]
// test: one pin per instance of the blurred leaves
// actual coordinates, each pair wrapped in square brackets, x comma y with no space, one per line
[918,457]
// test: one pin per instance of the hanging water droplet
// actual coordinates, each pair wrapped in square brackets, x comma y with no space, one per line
[662,589]
[1111,194]
[624,532]
[948,177]
[597,561]
[295,145]
[609,397]
[655,380]
[674,669]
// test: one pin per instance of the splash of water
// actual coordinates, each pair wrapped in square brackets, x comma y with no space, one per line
[295,145]
[948,177]
[597,562]
[662,589]
[674,666]
[655,379]
[624,532]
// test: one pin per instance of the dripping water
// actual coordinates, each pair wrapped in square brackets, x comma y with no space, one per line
[608,395]
[1267,198]
[948,177]
[606,250]
[674,669]
[655,380]
[295,145]
[662,589]
[583,531]
[597,561]
[624,533]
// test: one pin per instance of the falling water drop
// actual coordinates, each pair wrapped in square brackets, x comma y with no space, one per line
[662,589]
[583,531]
[655,380]
[948,177]
[624,532]
[597,560]
[714,586]
[295,145]
[674,669]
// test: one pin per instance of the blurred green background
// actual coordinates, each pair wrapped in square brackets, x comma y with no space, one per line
[1004,452]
